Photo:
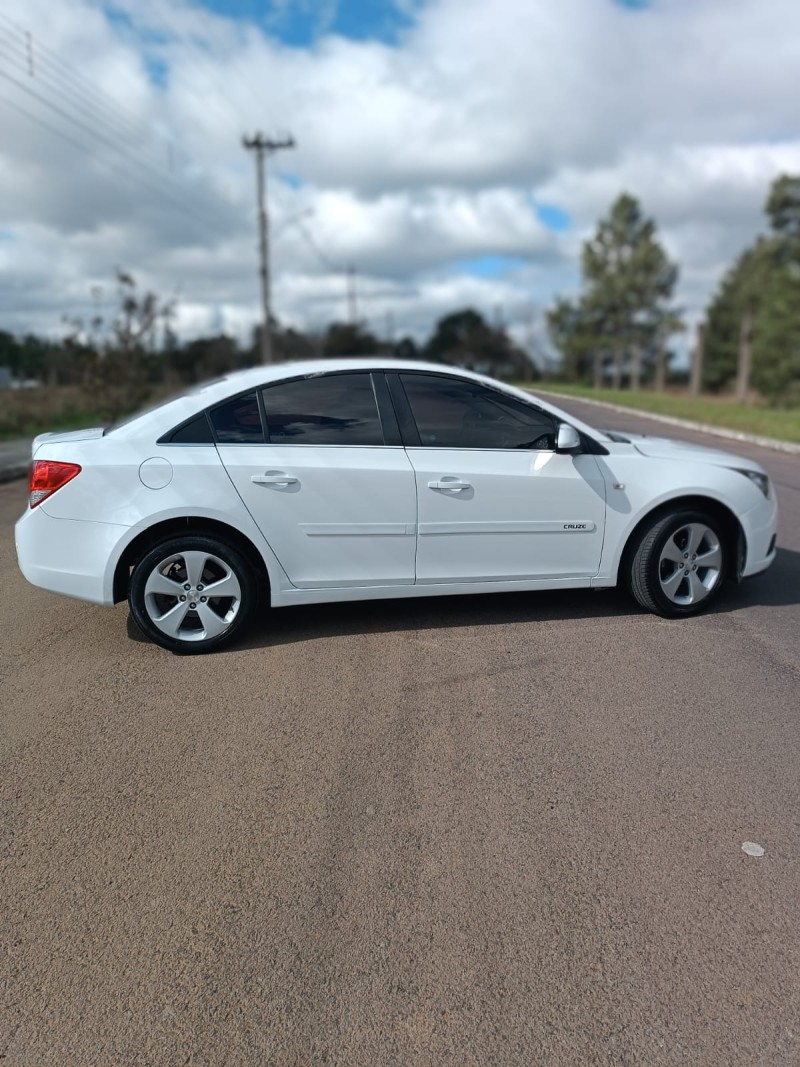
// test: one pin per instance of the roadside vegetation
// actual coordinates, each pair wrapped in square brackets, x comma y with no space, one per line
[614,340]
[763,420]
[26,412]
[105,369]
[618,332]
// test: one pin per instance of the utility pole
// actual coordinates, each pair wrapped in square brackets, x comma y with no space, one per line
[261,146]
[352,296]
[698,353]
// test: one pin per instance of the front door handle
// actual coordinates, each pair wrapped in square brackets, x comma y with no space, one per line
[274,478]
[452,485]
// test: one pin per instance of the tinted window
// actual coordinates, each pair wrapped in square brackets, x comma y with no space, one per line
[458,414]
[238,421]
[196,432]
[335,409]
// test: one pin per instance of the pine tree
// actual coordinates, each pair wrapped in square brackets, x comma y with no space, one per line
[760,294]
[624,315]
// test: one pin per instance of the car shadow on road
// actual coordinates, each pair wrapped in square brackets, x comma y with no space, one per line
[288,625]
[779,586]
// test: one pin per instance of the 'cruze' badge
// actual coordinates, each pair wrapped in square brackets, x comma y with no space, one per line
[587,526]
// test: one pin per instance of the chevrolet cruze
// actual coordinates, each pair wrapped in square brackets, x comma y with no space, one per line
[365,479]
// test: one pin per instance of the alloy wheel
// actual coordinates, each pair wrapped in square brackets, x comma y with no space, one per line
[192,596]
[690,565]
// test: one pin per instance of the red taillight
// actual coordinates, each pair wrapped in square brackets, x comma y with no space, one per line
[46,476]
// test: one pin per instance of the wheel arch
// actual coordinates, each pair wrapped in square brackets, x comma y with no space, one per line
[159,531]
[731,528]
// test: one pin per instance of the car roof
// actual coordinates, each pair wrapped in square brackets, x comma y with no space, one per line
[238,381]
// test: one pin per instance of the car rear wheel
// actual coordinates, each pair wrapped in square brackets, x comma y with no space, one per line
[678,565]
[192,594]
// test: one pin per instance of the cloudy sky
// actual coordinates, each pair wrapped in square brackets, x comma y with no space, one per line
[454,152]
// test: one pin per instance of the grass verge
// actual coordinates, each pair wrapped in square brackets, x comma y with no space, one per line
[78,420]
[26,412]
[780,423]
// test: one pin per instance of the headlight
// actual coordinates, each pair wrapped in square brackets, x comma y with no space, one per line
[759,479]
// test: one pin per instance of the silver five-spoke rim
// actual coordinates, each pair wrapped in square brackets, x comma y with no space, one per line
[192,596]
[690,564]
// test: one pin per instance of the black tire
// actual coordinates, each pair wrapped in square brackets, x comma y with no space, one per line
[649,573]
[225,615]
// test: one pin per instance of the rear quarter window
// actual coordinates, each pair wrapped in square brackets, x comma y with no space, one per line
[196,431]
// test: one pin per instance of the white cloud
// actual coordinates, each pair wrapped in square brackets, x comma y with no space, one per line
[413,157]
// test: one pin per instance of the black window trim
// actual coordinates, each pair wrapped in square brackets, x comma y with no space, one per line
[392,435]
[402,408]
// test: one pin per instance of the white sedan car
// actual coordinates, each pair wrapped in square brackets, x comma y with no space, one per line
[366,479]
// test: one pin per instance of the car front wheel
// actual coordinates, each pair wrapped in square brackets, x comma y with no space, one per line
[678,565]
[192,594]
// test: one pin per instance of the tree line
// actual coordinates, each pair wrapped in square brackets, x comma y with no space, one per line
[618,330]
[120,361]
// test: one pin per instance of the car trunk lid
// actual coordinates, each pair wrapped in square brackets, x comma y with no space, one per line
[64,437]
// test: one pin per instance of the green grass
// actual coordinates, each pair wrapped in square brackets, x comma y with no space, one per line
[780,423]
[76,420]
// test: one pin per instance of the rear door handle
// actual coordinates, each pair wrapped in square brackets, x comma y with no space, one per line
[273,478]
[452,485]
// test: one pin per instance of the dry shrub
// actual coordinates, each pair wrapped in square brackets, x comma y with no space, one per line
[27,411]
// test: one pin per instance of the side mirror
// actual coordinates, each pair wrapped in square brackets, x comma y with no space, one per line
[567,439]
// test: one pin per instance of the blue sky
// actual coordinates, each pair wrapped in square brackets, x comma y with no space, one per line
[490,265]
[298,23]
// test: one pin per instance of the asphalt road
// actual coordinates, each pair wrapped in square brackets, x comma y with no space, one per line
[503,830]
[14,459]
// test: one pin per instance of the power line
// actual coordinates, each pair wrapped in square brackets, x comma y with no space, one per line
[182,205]
[99,124]
[350,272]
[50,60]
[326,261]
[82,146]
[84,98]
[66,93]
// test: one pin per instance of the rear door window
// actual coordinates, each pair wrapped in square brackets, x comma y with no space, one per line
[238,421]
[332,409]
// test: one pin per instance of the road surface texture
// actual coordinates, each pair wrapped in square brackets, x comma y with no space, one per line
[500,830]
[15,456]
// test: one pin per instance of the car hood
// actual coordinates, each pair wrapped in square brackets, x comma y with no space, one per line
[67,435]
[687,452]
